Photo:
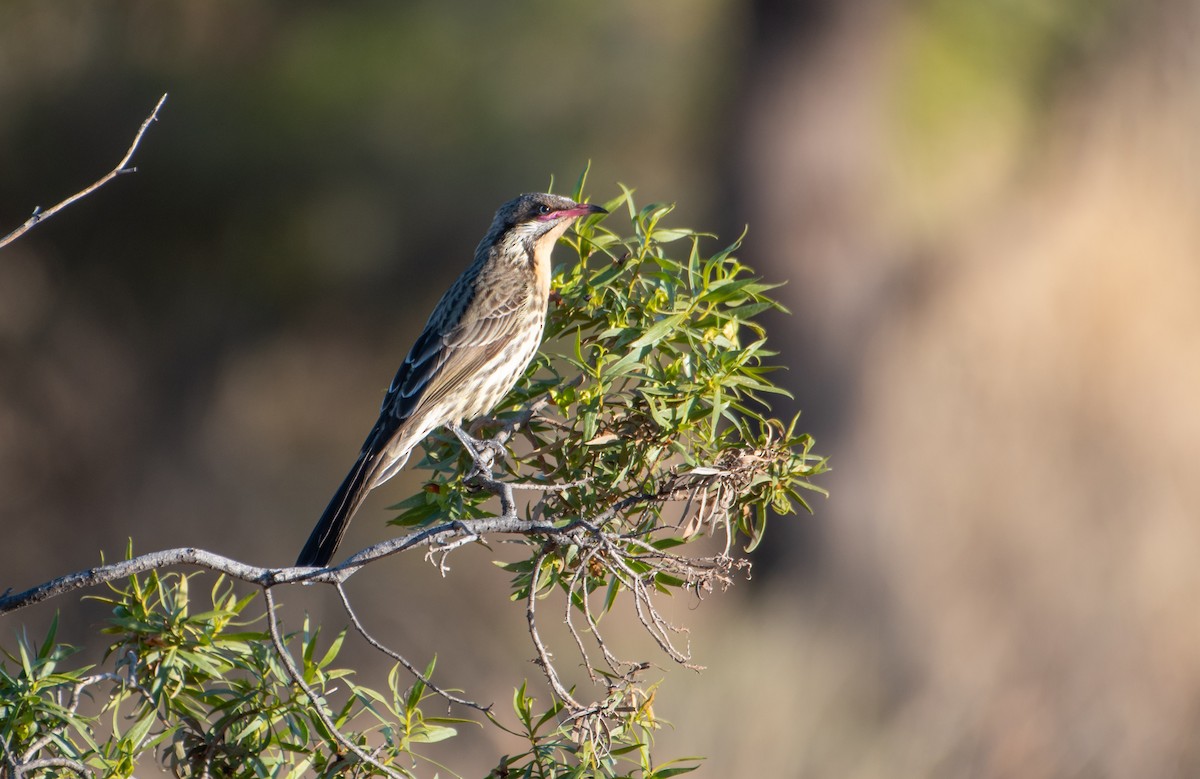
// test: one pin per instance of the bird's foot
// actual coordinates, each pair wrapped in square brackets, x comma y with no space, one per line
[483,451]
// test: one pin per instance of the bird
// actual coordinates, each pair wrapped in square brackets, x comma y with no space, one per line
[478,341]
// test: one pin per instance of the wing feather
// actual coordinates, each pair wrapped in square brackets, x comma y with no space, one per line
[451,349]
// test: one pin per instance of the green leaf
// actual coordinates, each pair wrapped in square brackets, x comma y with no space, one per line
[332,651]
[659,331]
[663,773]
[581,182]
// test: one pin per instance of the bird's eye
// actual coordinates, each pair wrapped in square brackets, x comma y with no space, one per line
[543,209]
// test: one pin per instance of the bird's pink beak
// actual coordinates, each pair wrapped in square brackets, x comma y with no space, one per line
[579,209]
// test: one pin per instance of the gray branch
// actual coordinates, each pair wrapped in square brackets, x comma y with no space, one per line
[268,577]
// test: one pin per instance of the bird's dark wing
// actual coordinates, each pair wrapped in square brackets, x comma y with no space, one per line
[458,341]
[422,364]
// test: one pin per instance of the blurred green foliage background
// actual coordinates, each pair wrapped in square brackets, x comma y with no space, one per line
[985,213]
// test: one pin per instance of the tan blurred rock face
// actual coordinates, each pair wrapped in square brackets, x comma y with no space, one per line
[1018,468]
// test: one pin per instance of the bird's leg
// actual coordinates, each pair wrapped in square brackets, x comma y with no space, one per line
[483,452]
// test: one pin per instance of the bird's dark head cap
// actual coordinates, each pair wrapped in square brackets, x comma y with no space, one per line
[540,208]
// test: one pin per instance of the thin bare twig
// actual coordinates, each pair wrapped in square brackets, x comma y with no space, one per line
[362,631]
[318,703]
[543,658]
[587,661]
[442,551]
[40,216]
[647,614]
[614,663]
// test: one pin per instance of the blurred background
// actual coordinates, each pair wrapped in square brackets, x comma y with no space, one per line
[986,216]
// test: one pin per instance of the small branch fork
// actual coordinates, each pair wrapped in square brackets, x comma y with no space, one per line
[318,703]
[600,555]
[27,762]
[40,216]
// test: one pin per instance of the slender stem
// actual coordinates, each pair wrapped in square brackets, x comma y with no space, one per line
[362,631]
[318,703]
[40,216]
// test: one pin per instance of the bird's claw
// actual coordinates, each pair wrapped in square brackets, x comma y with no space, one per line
[483,451]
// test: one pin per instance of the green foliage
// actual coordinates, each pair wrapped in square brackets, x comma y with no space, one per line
[656,370]
[35,699]
[643,424]
[211,698]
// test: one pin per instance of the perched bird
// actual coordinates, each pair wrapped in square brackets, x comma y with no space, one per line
[477,343]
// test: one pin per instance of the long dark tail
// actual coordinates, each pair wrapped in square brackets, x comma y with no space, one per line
[326,536]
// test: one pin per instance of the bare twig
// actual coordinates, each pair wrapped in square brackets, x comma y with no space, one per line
[647,614]
[543,658]
[362,631]
[580,574]
[442,551]
[40,216]
[613,662]
[318,703]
